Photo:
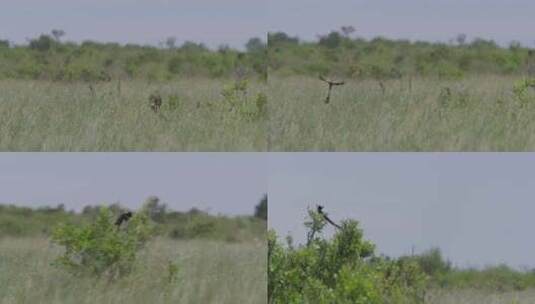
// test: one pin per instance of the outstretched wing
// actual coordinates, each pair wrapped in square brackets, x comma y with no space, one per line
[331,82]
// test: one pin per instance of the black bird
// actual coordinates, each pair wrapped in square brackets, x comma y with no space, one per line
[320,211]
[123,218]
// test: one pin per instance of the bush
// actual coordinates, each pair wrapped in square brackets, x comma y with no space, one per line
[102,248]
[342,270]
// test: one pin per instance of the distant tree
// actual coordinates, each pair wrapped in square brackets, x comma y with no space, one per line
[42,44]
[90,210]
[432,262]
[155,209]
[515,46]
[261,210]
[255,45]
[280,38]
[332,40]
[170,42]
[347,30]
[193,46]
[4,43]
[461,39]
[223,49]
[58,34]
[480,43]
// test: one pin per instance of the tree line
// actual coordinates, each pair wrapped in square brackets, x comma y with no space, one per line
[17,221]
[342,53]
[48,57]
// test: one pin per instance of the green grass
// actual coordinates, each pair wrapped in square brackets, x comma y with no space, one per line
[57,116]
[469,296]
[478,114]
[209,272]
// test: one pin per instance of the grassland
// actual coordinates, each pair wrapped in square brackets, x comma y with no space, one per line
[209,272]
[479,113]
[467,296]
[115,116]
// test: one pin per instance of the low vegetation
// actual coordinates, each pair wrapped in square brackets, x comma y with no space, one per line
[206,272]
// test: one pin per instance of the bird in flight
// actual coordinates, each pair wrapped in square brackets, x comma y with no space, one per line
[331,83]
[320,211]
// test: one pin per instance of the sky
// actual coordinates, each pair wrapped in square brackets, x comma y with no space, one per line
[213,22]
[233,22]
[478,208]
[226,183]
[434,20]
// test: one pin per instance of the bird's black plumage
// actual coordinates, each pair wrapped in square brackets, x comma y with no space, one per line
[123,218]
[320,211]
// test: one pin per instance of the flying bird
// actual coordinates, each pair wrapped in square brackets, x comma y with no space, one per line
[331,83]
[320,211]
[123,218]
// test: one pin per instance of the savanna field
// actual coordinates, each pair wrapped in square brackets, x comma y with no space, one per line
[208,272]
[116,116]
[91,96]
[484,113]
[400,95]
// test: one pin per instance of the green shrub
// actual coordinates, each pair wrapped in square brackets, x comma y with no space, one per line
[342,270]
[102,248]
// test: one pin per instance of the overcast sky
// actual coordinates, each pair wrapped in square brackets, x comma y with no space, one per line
[478,208]
[228,183]
[233,22]
[435,20]
[212,22]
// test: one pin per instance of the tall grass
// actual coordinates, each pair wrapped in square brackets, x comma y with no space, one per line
[474,296]
[475,114]
[209,272]
[114,116]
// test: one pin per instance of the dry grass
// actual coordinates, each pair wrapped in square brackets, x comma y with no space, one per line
[481,114]
[46,116]
[209,272]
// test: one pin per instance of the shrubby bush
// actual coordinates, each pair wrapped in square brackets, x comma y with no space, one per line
[102,248]
[344,269]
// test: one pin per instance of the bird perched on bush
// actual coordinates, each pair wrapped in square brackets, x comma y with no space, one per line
[320,211]
[123,218]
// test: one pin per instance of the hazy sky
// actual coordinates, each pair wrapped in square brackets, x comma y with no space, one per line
[213,22]
[478,208]
[501,20]
[229,183]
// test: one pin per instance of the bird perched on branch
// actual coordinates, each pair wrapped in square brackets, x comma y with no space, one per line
[331,83]
[320,211]
[123,218]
